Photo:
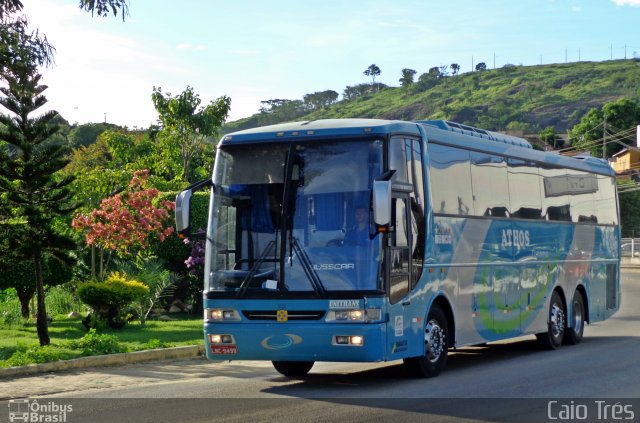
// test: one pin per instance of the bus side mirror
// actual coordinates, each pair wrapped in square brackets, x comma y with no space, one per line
[382,203]
[183,207]
[183,212]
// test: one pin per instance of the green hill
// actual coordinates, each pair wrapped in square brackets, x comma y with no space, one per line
[524,98]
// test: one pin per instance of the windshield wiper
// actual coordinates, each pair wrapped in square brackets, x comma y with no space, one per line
[309,271]
[256,266]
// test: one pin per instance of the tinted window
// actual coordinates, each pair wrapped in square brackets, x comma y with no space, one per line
[555,199]
[449,170]
[524,190]
[581,187]
[399,255]
[490,187]
[604,201]
[398,160]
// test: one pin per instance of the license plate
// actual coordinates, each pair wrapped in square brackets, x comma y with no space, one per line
[224,349]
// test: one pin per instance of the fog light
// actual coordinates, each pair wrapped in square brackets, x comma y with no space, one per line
[342,340]
[356,340]
[221,339]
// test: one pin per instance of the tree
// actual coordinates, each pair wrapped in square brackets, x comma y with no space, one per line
[407,77]
[29,180]
[611,128]
[455,69]
[104,7]
[320,99]
[87,134]
[482,66]
[187,124]
[17,43]
[435,72]
[549,136]
[373,71]
[126,222]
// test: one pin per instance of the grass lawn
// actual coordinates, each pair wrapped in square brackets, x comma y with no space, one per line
[19,343]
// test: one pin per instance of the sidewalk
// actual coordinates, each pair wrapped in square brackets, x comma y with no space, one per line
[105,360]
[103,371]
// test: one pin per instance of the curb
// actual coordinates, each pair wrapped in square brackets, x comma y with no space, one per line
[105,360]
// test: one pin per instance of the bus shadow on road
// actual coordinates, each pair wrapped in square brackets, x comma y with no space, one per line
[459,360]
[483,360]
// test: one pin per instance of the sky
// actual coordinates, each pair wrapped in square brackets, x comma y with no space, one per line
[254,50]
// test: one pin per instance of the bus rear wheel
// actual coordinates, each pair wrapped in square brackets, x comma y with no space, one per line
[436,346]
[293,368]
[573,334]
[556,324]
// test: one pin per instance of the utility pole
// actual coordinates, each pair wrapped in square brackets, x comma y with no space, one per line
[565,55]
[604,137]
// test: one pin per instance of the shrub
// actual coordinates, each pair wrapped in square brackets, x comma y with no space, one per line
[110,298]
[36,354]
[94,343]
[10,308]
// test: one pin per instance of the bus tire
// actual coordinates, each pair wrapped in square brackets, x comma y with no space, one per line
[436,346]
[573,334]
[293,368]
[556,324]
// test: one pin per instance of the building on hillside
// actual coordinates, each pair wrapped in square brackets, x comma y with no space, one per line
[626,163]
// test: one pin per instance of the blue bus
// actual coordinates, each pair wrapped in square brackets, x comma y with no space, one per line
[373,240]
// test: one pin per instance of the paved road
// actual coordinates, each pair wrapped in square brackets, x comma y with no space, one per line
[605,366]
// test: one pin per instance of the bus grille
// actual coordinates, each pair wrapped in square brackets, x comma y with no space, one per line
[292,314]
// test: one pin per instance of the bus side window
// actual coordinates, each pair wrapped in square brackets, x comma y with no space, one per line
[399,251]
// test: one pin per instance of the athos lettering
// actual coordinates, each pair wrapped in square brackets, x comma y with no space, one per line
[518,238]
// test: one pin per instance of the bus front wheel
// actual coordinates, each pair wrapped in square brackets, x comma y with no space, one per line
[293,368]
[556,324]
[436,346]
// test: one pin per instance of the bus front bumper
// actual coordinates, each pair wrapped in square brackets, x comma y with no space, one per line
[296,342]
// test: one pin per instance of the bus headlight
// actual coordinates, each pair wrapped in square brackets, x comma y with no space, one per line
[220,314]
[354,315]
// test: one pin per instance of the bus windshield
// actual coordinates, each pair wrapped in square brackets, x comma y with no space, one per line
[294,218]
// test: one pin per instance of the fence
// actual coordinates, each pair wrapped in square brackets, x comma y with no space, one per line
[630,247]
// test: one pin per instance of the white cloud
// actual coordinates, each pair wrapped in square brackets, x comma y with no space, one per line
[635,3]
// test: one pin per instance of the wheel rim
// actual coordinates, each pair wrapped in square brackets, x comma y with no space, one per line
[578,317]
[435,341]
[557,320]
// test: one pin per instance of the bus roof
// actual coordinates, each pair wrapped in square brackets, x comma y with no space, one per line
[514,147]
[446,132]
[324,128]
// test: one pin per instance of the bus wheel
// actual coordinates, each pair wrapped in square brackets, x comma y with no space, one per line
[556,324]
[436,346]
[293,368]
[573,335]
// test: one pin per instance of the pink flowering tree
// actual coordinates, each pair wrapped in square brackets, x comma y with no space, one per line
[125,223]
